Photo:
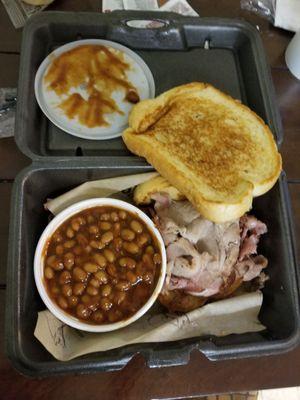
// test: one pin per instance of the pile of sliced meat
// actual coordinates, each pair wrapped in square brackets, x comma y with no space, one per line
[205,257]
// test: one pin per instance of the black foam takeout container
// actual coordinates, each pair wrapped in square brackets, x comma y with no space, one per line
[225,53]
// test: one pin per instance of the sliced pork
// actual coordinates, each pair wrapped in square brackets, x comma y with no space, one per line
[251,230]
[204,257]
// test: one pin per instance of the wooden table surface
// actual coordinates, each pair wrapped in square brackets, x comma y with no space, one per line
[136,381]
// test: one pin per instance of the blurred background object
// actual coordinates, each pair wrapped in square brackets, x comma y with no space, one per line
[292,55]
[281,13]
[19,10]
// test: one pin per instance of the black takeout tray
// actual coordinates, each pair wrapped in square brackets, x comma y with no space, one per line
[227,54]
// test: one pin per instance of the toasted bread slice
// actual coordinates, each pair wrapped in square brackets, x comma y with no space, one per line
[142,193]
[213,149]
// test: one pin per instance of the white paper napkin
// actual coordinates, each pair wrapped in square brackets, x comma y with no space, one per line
[287,14]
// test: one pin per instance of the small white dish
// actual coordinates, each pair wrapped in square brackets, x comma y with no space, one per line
[39,260]
[139,75]
[292,55]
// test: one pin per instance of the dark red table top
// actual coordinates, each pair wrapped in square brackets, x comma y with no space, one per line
[136,381]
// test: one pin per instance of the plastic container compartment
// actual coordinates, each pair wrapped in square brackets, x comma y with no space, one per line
[279,313]
[175,53]
[228,54]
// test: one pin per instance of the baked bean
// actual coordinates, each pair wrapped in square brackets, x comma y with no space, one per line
[147,260]
[75,225]
[97,244]
[59,250]
[82,240]
[105,226]
[88,249]
[114,315]
[114,216]
[123,285]
[64,277]
[136,226]
[100,260]
[109,255]
[81,220]
[106,304]
[90,219]
[157,259]
[57,237]
[54,263]
[101,276]
[69,260]
[131,247]
[93,229]
[123,214]
[90,267]
[67,290]
[127,262]
[117,229]
[57,265]
[79,274]
[118,243]
[77,250]
[112,270]
[107,237]
[92,291]
[111,296]
[105,217]
[149,250]
[143,239]
[119,297]
[94,282]
[86,298]
[79,261]
[98,316]
[106,290]
[82,311]
[94,303]
[127,234]
[140,269]
[62,302]
[72,301]
[132,278]
[69,244]
[49,273]
[70,233]
[78,288]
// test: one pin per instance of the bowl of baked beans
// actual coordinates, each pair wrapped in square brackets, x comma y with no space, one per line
[100,264]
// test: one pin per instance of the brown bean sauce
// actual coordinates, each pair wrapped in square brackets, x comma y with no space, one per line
[101,71]
[102,265]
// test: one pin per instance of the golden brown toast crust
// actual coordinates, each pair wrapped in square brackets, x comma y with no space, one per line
[213,149]
[143,192]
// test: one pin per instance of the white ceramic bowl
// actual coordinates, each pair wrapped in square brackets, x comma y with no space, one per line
[39,259]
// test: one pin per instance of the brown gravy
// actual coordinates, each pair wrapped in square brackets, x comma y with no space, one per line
[100,72]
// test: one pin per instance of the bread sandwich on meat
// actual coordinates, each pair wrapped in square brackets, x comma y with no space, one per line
[214,155]
[210,147]
[206,260]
